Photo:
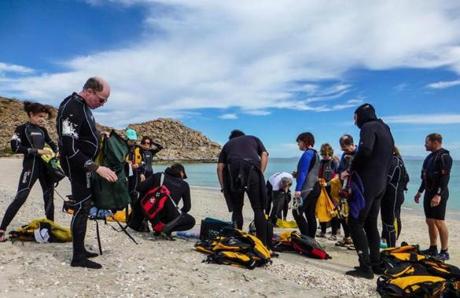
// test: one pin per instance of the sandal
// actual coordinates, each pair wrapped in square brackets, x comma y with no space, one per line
[2,236]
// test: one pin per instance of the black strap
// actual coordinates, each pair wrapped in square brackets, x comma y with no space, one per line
[98,237]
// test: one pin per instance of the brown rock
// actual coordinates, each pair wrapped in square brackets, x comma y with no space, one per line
[179,141]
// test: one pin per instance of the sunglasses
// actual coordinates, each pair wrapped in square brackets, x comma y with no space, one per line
[101,99]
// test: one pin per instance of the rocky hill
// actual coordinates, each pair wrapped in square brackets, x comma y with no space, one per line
[179,141]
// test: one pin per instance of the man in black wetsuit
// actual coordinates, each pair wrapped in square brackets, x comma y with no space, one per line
[240,168]
[435,180]
[371,163]
[78,144]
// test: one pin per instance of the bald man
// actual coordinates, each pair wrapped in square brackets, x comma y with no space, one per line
[78,144]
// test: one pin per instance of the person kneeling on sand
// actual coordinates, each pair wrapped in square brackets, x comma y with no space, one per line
[172,218]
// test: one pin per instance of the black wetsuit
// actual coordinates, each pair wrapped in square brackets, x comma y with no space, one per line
[392,201]
[372,163]
[435,180]
[241,156]
[344,165]
[134,177]
[147,159]
[180,191]
[78,143]
[27,139]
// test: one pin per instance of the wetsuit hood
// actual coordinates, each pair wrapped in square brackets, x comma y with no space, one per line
[175,171]
[365,113]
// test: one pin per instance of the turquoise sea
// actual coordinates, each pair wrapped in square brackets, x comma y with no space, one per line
[204,174]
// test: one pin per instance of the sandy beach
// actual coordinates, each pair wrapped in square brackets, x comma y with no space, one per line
[172,268]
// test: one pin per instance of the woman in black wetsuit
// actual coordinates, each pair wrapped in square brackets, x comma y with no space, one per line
[30,139]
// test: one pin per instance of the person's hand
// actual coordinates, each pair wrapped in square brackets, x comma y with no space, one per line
[135,166]
[297,194]
[417,197]
[142,177]
[107,174]
[344,175]
[105,134]
[45,151]
[435,201]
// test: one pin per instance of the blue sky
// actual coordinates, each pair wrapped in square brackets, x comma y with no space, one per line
[270,68]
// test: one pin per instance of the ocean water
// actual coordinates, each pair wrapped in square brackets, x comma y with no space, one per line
[204,174]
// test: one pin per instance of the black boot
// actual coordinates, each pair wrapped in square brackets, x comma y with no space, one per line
[364,270]
[90,255]
[85,263]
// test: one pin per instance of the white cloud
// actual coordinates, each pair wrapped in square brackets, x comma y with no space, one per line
[13,68]
[424,119]
[444,84]
[229,116]
[256,56]
[257,112]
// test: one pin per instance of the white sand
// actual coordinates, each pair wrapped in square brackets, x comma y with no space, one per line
[173,268]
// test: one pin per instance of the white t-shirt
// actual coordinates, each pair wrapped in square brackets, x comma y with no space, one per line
[275,179]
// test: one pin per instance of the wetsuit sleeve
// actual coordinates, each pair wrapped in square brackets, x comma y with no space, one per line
[366,146]
[70,125]
[422,186]
[341,166]
[445,167]
[149,183]
[49,141]
[260,146]
[17,144]
[422,176]
[335,168]
[223,155]
[405,177]
[157,149]
[186,199]
[302,169]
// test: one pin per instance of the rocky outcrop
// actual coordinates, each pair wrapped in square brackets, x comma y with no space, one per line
[179,141]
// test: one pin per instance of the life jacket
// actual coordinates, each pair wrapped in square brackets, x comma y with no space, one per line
[325,208]
[42,230]
[302,244]
[411,274]
[134,155]
[154,202]
[286,224]
[392,257]
[235,247]
[411,286]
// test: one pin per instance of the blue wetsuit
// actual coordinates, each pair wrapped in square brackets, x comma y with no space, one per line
[307,184]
